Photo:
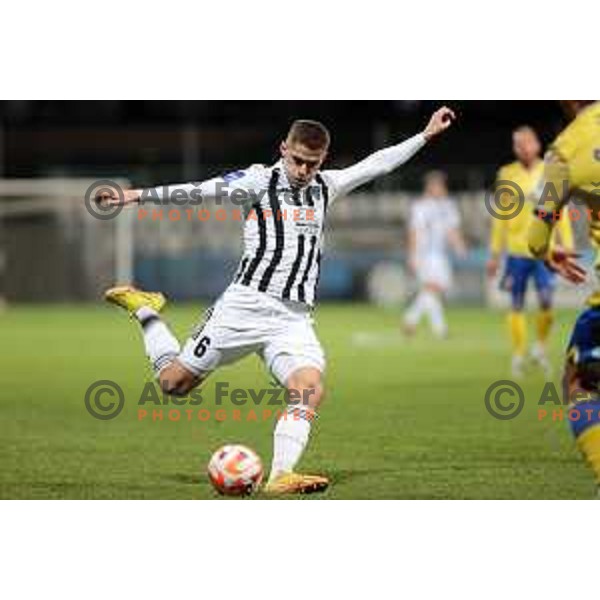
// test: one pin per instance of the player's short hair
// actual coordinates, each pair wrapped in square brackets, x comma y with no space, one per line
[312,134]
[526,129]
[433,176]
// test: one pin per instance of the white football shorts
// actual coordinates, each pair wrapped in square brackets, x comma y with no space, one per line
[244,321]
[435,270]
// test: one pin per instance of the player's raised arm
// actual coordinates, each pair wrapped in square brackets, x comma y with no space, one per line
[457,242]
[385,161]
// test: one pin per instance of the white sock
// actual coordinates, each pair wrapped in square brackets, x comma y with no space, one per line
[160,344]
[416,310]
[435,310]
[290,438]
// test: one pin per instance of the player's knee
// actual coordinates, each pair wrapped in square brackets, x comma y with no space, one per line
[176,381]
[518,304]
[546,301]
[174,386]
[306,386]
[313,394]
[517,300]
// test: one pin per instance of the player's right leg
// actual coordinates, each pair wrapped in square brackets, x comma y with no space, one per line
[435,309]
[295,357]
[434,276]
[544,283]
[415,312]
[514,281]
[581,380]
[162,347]
[428,303]
[437,279]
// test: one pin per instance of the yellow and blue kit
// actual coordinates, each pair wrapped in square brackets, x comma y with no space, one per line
[583,354]
[511,236]
[571,169]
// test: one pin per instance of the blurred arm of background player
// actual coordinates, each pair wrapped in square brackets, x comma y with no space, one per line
[564,232]
[412,250]
[457,242]
[552,197]
[497,247]
[498,235]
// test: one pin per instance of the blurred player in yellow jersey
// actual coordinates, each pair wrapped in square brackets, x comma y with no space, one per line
[509,237]
[572,171]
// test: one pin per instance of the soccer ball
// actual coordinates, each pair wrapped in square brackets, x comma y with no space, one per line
[235,470]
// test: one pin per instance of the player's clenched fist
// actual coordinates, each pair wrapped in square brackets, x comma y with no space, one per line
[439,122]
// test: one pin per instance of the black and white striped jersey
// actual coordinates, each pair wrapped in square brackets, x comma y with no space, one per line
[283,226]
[283,233]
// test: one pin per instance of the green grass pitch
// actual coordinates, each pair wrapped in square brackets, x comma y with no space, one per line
[402,418]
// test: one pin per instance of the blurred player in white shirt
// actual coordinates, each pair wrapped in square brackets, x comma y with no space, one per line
[434,230]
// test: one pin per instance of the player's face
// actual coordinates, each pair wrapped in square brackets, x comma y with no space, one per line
[436,188]
[301,163]
[526,146]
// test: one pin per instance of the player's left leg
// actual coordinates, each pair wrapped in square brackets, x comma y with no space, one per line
[580,384]
[435,309]
[544,283]
[415,312]
[514,280]
[438,282]
[435,277]
[295,357]
[584,419]
[161,346]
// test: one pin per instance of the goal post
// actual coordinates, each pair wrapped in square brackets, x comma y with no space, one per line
[53,249]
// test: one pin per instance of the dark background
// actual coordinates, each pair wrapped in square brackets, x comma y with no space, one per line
[153,141]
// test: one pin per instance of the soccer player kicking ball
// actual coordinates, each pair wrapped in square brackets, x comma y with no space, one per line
[267,308]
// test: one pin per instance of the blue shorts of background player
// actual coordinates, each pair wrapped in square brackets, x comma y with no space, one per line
[517,273]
